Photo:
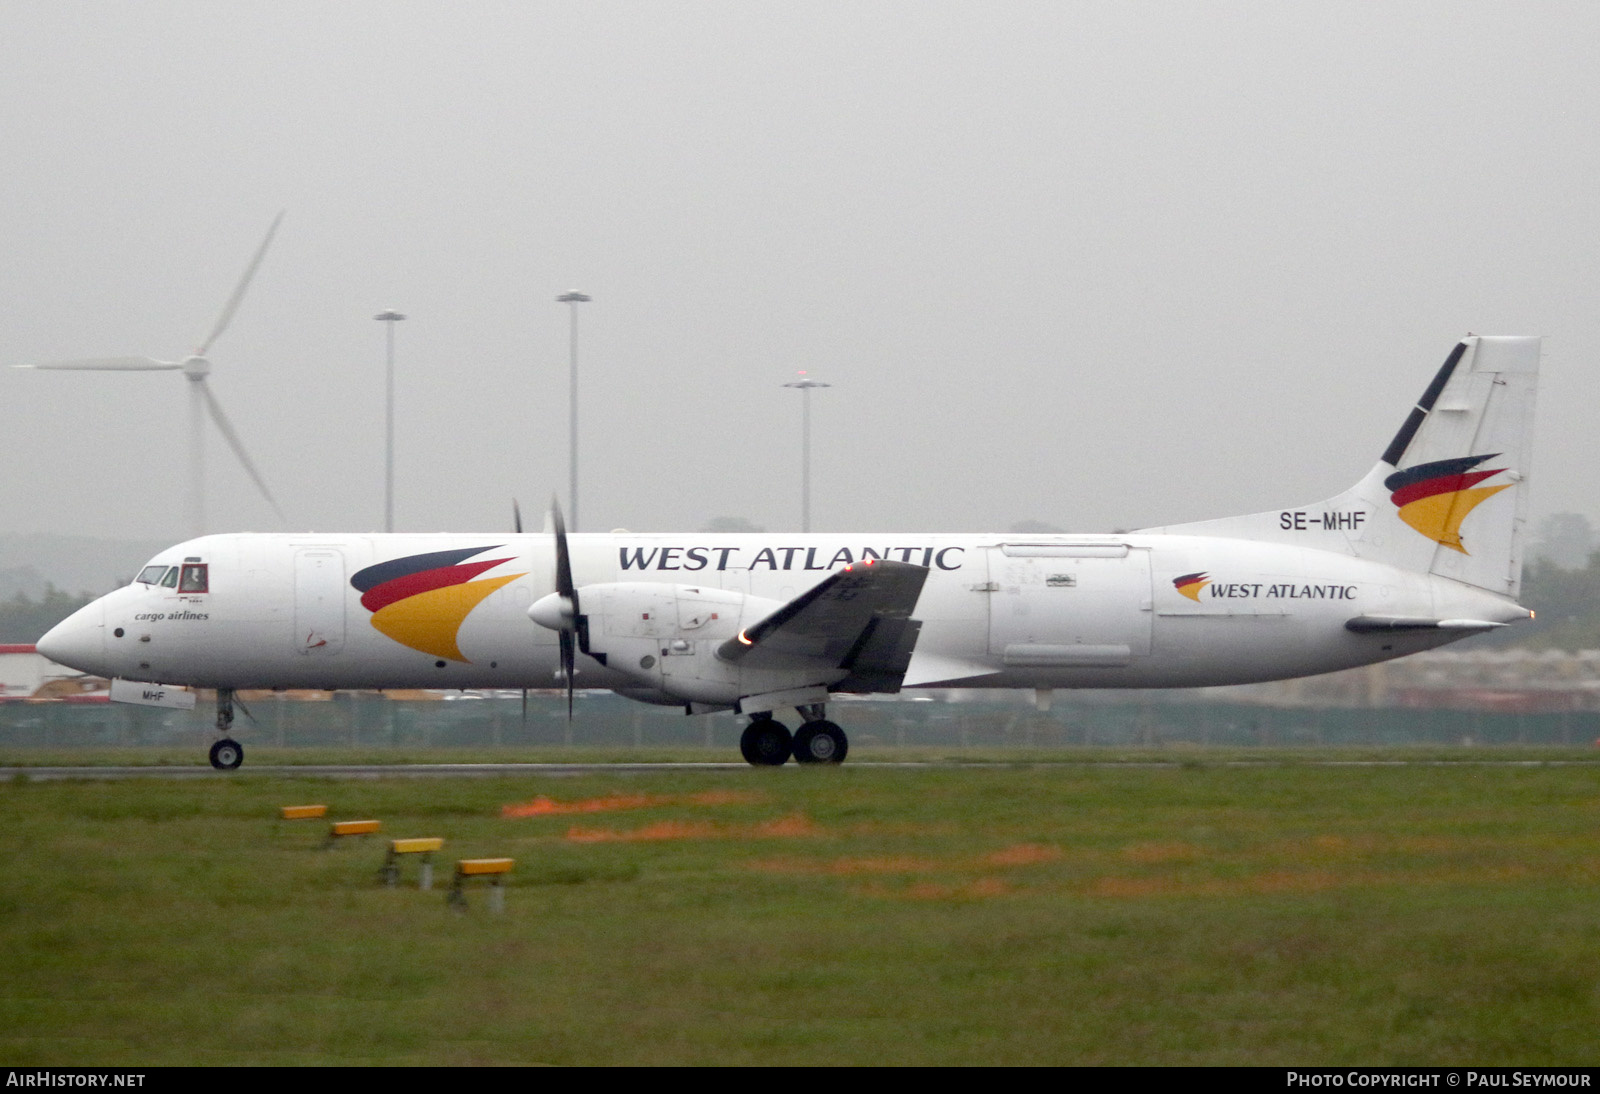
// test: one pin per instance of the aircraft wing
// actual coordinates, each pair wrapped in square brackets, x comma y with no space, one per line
[857,619]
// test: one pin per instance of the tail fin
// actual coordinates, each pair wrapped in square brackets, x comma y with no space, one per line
[1449,495]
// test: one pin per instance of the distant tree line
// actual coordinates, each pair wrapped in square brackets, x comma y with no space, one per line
[1566,607]
[1561,583]
[23,619]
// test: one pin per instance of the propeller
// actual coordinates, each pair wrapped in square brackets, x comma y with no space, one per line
[560,610]
[569,607]
[196,368]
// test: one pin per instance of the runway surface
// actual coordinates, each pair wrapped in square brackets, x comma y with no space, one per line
[556,770]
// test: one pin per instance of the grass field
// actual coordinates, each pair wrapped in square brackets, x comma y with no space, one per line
[1199,913]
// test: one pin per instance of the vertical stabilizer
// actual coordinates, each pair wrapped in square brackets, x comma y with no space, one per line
[1449,495]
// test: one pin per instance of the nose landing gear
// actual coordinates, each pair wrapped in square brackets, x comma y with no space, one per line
[227,754]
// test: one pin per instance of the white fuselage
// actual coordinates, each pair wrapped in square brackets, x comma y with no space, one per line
[280,611]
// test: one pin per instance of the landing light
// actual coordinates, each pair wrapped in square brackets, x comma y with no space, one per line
[745,640]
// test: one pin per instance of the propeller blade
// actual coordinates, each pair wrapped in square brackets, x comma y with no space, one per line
[569,666]
[516,516]
[568,592]
[238,293]
[226,429]
[564,584]
[109,364]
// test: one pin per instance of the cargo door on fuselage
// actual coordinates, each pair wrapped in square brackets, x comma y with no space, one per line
[1069,605]
[319,595]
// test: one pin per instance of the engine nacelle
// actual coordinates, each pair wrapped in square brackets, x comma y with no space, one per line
[665,638]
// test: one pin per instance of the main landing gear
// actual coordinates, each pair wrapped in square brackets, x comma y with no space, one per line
[227,753]
[767,742]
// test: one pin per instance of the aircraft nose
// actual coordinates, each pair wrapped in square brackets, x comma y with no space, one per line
[78,641]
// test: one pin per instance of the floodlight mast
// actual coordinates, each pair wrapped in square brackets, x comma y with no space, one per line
[805,384]
[389,318]
[572,299]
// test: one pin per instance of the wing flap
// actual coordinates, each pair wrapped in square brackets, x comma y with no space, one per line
[858,618]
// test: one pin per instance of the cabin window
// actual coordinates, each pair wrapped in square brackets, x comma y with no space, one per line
[194,578]
[170,581]
[150,575]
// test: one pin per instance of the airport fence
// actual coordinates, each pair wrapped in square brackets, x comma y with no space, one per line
[370,720]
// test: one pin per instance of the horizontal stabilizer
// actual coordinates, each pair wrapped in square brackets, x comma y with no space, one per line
[859,614]
[1370,624]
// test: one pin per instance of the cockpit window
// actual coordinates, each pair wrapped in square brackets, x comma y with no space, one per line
[150,575]
[171,580]
[195,578]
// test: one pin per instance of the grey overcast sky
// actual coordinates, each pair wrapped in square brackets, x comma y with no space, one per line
[1097,264]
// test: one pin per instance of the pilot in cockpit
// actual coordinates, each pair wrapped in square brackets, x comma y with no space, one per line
[191,577]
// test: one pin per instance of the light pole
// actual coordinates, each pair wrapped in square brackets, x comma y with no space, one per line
[805,384]
[390,318]
[572,300]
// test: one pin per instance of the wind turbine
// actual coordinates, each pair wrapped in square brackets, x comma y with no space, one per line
[195,368]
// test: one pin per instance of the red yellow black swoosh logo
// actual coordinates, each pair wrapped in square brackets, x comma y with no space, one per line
[1191,584]
[1434,498]
[421,601]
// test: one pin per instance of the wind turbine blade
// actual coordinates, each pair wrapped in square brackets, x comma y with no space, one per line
[238,294]
[108,364]
[226,429]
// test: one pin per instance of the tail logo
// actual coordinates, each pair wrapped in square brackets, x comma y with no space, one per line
[1434,498]
[421,601]
[1191,584]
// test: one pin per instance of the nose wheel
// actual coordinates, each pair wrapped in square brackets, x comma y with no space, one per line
[227,754]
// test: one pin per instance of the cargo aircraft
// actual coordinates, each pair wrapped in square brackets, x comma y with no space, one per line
[1425,549]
